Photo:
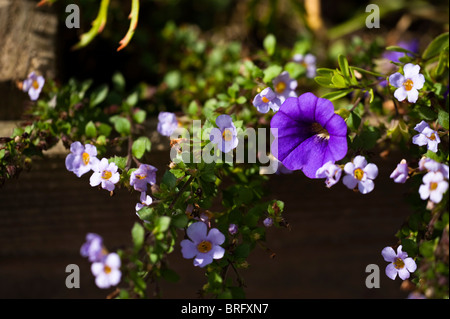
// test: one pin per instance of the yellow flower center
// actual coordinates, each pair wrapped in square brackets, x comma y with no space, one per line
[106,175]
[227,135]
[432,137]
[433,186]
[86,158]
[204,246]
[358,173]
[399,264]
[280,87]
[408,84]
[35,85]
[265,100]
[141,176]
[107,269]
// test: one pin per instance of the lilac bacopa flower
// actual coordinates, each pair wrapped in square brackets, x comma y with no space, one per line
[284,86]
[427,136]
[400,263]
[144,175]
[431,165]
[167,123]
[308,61]
[331,172]
[360,174]
[226,135]
[105,174]
[308,134]
[93,248]
[400,174]
[268,222]
[408,85]
[107,271]
[266,100]
[33,85]
[81,158]
[233,229]
[201,245]
[145,200]
[434,186]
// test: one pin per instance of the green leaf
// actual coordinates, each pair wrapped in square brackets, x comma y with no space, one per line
[140,146]
[169,180]
[443,118]
[118,81]
[440,43]
[242,251]
[161,224]
[180,220]
[90,130]
[137,233]
[409,246]
[104,129]
[294,69]
[172,79]
[121,125]
[343,65]
[99,95]
[269,44]
[241,100]
[169,275]
[132,99]
[338,81]
[324,81]
[139,116]
[271,72]
[335,95]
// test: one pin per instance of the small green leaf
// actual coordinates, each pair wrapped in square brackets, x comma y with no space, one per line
[99,95]
[140,146]
[162,224]
[119,161]
[343,65]
[90,130]
[137,233]
[443,119]
[241,100]
[119,81]
[269,44]
[338,80]
[169,180]
[271,72]
[335,95]
[121,125]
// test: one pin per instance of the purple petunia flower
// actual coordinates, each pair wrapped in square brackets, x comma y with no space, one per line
[167,123]
[81,158]
[266,100]
[284,86]
[360,174]
[105,174]
[434,186]
[400,174]
[409,84]
[202,246]
[308,134]
[93,247]
[33,85]
[226,135]
[426,136]
[400,263]
[308,61]
[331,172]
[145,174]
[107,271]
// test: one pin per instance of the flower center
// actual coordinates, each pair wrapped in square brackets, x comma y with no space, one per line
[432,137]
[107,269]
[227,135]
[280,87]
[265,100]
[85,157]
[35,85]
[358,173]
[408,84]
[318,130]
[106,175]
[141,176]
[433,186]
[204,246]
[399,264]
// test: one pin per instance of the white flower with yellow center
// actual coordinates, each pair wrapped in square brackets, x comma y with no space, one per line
[284,86]
[105,174]
[426,136]
[81,158]
[360,174]
[408,84]
[434,186]
[107,272]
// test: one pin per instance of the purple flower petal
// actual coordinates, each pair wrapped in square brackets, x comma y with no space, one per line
[215,237]
[397,80]
[389,254]
[188,249]
[391,271]
[197,232]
